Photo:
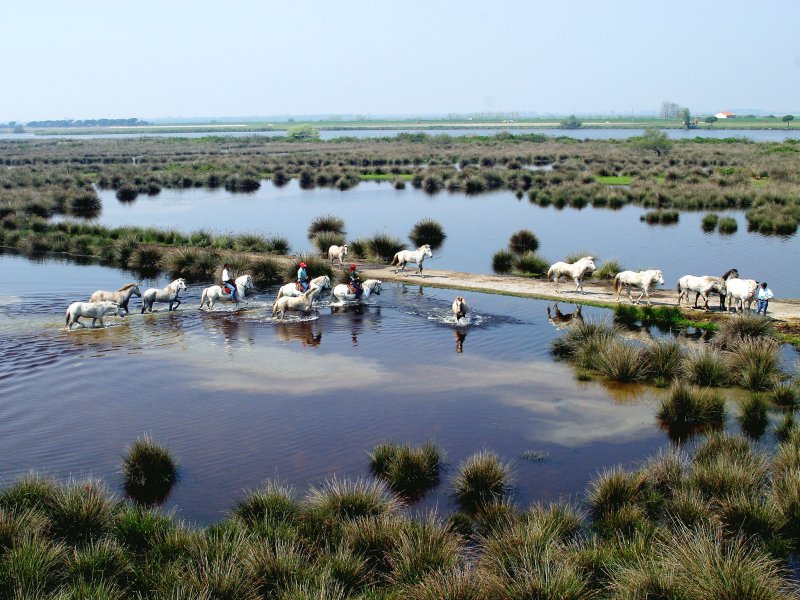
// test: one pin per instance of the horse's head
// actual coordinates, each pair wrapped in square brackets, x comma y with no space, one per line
[246,281]
[658,277]
[589,263]
[180,284]
[427,250]
[374,286]
[136,291]
[344,250]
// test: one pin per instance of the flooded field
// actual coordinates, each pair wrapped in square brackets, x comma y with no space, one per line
[240,398]
[476,227]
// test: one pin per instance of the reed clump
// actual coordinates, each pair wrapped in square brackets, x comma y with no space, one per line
[149,471]
[427,231]
[410,471]
[481,479]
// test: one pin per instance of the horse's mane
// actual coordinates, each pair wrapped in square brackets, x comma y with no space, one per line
[127,286]
[728,273]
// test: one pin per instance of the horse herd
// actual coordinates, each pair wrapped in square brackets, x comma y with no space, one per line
[729,285]
[103,303]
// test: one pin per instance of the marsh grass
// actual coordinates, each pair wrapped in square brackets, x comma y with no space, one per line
[459,583]
[613,489]
[530,263]
[276,567]
[688,406]
[784,394]
[275,501]
[623,362]
[374,539]
[503,261]
[339,500]
[706,367]
[664,358]
[100,561]
[82,513]
[786,427]
[728,225]
[742,327]
[192,264]
[32,569]
[383,246]
[31,492]
[480,479]
[423,548]
[609,269]
[753,415]
[584,343]
[427,231]
[149,471]
[326,223]
[409,471]
[755,364]
[141,530]
[315,267]
[709,222]
[523,241]
[265,271]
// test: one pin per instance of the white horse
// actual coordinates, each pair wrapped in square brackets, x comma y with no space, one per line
[95,310]
[323,282]
[703,286]
[166,294]
[122,296]
[641,279]
[213,294]
[371,286]
[576,270]
[339,252]
[411,256]
[460,308]
[303,303]
[729,274]
[741,291]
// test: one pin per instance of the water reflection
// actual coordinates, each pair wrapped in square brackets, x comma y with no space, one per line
[460,336]
[308,333]
[562,320]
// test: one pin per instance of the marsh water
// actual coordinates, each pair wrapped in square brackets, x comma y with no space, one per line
[241,398]
[476,227]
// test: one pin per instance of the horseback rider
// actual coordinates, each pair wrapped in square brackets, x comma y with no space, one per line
[355,282]
[228,283]
[302,277]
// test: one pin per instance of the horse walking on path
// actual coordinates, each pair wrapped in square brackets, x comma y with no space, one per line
[122,296]
[702,285]
[729,274]
[213,294]
[641,279]
[576,270]
[411,256]
[165,294]
[95,310]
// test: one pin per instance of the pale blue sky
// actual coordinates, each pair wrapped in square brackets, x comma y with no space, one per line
[147,59]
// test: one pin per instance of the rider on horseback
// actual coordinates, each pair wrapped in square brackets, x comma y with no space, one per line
[302,278]
[228,284]
[355,282]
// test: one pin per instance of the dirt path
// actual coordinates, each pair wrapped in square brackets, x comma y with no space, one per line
[785,312]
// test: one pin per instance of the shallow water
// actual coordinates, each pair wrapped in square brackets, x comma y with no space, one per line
[476,226]
[240,397]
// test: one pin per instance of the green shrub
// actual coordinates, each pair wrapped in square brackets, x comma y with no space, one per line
[687,406]
[609,269]
[480,479]
[531,263]
[329,223]
[325,239]
[755,364]
[706,367]
[664,358]
[81,513]
[727,225]
[384,246]
[424,548]
[274,501]
[753,415]
[265,271]
[409,471]
[523,241]
[623,362]
[710,221]
[503,261]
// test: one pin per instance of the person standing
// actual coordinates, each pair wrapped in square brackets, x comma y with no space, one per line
[763,295]
[228,281]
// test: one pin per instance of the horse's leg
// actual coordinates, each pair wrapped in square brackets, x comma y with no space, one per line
[177,304]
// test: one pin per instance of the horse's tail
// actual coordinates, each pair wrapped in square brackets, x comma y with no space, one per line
[69,314]
[616,282]
[395,260]
[280,294]
[549,273]
[203,298]
[275,308]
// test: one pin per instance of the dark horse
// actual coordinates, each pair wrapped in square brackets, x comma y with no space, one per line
[729,274]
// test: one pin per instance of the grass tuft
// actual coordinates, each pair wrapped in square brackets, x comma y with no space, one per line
[482,478]
[149,471]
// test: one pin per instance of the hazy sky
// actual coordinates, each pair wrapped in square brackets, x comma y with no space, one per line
[148,59]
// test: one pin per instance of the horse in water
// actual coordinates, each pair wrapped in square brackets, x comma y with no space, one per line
[740,291]
[302,303]
[339,252]
[95,310]
[165,294]
[371,286]
[640,279]
[411,256]
[561,320]
[122,296]
[460,308]
[323,282]
[703,286]
[215,293]
[729,274]
[576,270]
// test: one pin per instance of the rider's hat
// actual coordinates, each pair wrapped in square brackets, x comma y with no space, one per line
[353,267]
[302,264]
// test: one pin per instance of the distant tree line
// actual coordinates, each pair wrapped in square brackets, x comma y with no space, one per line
[86,123]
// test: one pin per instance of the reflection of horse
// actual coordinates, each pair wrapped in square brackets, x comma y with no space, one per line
[411,256]
[460,336]
[122,296]
[306,332]
[640,279]
[703,286]
[339,252]
[460,308]
[165,294]
[323,282]
[576,270]
[729,274]
[213,294]
[741,291]
[301,303]
[562,320]
[371,286]
[95,310]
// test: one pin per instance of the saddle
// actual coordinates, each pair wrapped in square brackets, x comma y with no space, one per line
[227,289]
[299,287]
